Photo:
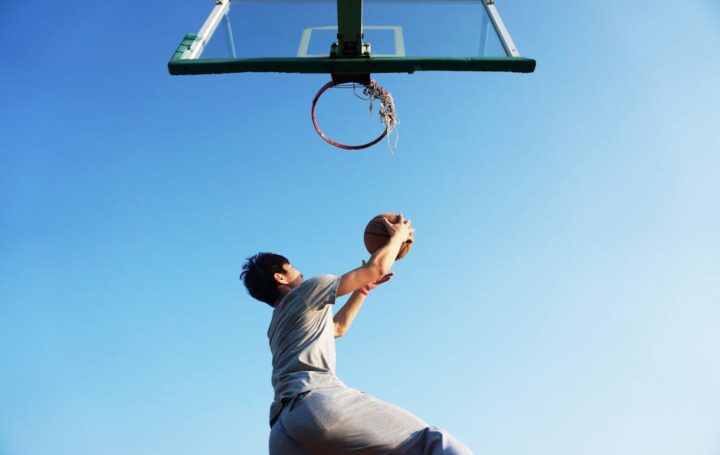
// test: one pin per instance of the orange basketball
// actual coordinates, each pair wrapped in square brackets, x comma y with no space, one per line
[376,234]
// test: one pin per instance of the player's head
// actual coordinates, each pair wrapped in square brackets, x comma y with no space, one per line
[269,276]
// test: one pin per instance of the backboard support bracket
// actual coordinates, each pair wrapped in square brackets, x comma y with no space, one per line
[350,36]
[502,30]
[359,78]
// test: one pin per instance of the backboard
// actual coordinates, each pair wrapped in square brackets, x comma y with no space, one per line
[350,36]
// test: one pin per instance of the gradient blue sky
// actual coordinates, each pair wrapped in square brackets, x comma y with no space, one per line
[562,296]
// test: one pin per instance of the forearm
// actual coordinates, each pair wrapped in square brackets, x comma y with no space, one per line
[344,318]
[383,259]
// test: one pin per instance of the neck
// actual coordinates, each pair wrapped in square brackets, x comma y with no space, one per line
[284,290]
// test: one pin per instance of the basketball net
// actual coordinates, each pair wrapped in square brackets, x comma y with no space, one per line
[387,110]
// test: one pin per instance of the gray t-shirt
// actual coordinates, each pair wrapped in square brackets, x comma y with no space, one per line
[302,340]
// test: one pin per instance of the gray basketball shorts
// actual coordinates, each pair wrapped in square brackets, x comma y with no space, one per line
[340,420]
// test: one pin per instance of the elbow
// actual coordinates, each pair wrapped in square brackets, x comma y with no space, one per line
[339,330]
[378,271]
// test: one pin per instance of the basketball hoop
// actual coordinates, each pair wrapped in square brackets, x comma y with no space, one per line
[373,91]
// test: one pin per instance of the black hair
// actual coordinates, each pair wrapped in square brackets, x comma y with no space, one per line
[257,275]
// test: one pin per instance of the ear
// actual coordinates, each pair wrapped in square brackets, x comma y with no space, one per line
[280,278]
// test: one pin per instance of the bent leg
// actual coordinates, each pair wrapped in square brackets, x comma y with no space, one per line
[433,441]
[281,444]
[342,420]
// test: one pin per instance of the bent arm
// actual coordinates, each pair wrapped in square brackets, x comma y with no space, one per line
[344,318]
[376,267]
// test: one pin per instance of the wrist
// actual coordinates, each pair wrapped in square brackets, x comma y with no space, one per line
[363,291]
[398,237]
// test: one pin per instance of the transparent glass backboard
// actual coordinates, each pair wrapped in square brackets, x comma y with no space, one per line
[398,36]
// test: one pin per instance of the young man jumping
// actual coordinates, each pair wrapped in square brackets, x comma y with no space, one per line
[314,413]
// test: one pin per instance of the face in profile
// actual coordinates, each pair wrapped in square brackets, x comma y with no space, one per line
[290,277]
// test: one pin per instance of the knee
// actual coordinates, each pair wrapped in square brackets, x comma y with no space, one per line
[439,441]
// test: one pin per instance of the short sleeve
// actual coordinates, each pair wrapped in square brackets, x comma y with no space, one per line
[321,290]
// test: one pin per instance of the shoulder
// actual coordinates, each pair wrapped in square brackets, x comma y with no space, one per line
[319,289]
[318,284]
[320,280]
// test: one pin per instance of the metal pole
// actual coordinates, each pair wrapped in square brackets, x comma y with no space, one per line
[505,39]
[349,14]
[208,28]
[230,37]
[484,25]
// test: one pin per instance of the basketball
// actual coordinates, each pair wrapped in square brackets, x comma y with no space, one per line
[376,234]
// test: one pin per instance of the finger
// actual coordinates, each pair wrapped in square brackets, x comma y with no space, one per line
[385,278]
[411,236]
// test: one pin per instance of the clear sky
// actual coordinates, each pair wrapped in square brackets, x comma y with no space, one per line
[562,297]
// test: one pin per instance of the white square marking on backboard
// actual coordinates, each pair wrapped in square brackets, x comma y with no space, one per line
[396,29]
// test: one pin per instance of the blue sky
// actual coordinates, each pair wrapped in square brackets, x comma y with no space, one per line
[562,295]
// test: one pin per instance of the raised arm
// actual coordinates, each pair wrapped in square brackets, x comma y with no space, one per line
[344,318]
[380,262]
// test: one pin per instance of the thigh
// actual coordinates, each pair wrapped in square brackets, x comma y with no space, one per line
[340,420]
